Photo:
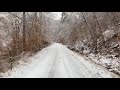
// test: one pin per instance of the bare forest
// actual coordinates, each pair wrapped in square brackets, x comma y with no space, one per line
[94,35]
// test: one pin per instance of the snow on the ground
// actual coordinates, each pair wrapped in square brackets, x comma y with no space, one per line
[56,61]
[107,61]
[108,34]
[23,66]
[95,69]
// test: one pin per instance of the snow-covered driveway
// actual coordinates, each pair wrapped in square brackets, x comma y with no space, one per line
[57,61]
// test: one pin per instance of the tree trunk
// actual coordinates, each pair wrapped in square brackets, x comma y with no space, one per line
[100,30]
[24,31]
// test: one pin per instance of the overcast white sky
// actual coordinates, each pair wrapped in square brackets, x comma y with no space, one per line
[57,15]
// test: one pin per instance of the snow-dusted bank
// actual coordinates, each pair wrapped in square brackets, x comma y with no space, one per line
[56,61]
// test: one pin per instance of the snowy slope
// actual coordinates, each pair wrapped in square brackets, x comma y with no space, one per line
[56,61]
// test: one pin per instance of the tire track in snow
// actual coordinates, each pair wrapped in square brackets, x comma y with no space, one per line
[53,68]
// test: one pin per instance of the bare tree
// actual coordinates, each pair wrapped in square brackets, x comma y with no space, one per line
[24,31]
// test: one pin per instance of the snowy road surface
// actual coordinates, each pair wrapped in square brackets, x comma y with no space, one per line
[57,61]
